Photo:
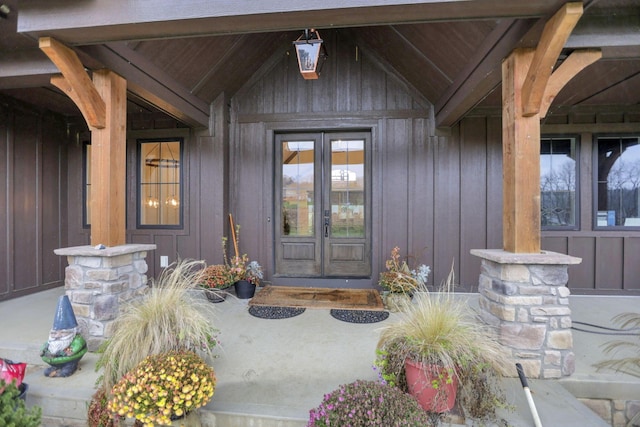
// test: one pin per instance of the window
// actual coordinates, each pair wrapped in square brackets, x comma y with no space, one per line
[86,187]
[159,179]
[618,175]
[558,204]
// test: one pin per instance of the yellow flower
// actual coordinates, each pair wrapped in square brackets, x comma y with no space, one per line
[163,385]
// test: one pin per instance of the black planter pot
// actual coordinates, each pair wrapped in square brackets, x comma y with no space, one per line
[245,289]
[215,296]
[23,391]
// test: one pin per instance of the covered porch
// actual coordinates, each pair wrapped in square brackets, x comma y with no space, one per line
[272,372]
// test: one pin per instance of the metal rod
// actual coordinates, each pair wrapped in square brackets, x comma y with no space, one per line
[527,392]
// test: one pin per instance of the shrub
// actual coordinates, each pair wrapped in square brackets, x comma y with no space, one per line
[368,404]
[13,411]
[163,386]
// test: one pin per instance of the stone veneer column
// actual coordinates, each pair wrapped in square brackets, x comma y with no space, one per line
[98,281]
[525,297]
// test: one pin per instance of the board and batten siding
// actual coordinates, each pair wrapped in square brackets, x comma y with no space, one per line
[610,258]
[33,186]
[436,197]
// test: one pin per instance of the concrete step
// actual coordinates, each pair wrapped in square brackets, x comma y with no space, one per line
[64,402]
[554,404]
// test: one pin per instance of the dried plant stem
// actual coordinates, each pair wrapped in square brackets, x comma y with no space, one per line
[233,235]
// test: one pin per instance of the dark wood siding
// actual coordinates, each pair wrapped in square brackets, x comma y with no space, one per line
[609,258]
[205,189]
[433,196]
[33,184]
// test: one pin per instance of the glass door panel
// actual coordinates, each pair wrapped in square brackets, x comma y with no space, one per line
[347,188]
[298,180]
[321,222]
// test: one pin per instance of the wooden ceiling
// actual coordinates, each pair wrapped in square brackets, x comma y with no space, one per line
[449,51]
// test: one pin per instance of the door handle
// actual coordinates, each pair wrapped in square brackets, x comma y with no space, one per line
[327,218]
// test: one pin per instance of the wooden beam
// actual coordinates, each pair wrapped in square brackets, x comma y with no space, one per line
[521,160]
[616,28]
[571,66]
[26,62]
[85,95]
[554,36]
[108,163]
[84,23]
[147,81]
[482,74]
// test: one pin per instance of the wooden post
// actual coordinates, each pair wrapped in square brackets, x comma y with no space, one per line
[520,161]
[103,103]
[529,85]
[108,163]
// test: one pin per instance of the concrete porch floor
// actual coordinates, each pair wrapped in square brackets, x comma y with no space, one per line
[272,372]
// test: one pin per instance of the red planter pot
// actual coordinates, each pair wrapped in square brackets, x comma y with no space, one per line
[421,379]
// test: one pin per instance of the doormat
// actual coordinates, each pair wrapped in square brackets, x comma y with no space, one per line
[360,316]
[269,312]
[329,298]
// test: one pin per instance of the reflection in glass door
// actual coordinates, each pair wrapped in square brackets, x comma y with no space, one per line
[322,195]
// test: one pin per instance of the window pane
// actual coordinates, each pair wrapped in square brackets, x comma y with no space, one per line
[618,182]
[558,182]
[160,189]
[347,188]
[297,188]
[87,184]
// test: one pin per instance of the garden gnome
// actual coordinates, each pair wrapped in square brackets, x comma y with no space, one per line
[66,346]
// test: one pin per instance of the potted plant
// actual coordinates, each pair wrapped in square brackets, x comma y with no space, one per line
[368,403]
[169,317]
[13,410]
[436,340]
[163,387]
[400,281]
[214,279]
[246,274]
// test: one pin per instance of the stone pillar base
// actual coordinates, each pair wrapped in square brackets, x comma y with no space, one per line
[524,296]
[98,281]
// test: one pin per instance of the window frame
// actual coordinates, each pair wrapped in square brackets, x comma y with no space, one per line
[577,201]
[595,179]
[138,192]
[86,224]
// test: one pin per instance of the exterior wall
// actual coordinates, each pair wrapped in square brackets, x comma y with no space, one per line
[436,197]
[609,258]
[204,190]
[33,150]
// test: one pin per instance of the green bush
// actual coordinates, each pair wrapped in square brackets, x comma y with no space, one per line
[368,404]
[13,412]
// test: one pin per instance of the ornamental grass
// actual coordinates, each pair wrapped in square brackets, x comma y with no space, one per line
[625,353]
[162,387]
[171,316]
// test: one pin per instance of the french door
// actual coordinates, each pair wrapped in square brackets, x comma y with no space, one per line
[323,204]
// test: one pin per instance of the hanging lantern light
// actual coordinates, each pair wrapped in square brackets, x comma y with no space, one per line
[311,54]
